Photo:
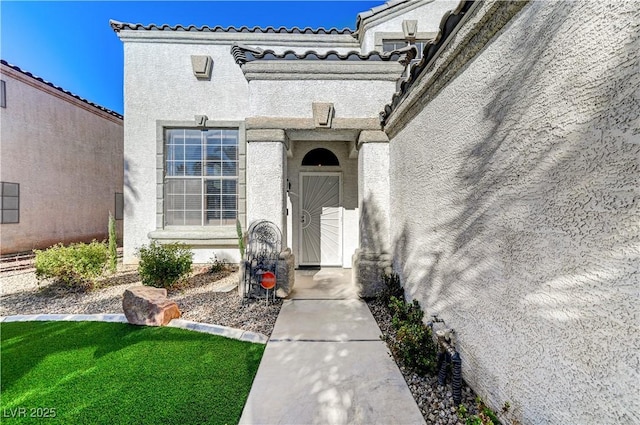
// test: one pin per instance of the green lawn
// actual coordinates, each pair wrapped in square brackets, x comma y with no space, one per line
[114,373]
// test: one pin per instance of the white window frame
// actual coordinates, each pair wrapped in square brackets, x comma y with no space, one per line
[205,236]
[202,179]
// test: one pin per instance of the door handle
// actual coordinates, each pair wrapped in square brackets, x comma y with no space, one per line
[302,219]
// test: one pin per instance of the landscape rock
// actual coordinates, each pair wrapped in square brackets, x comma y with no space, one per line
[286,273]
[144,305]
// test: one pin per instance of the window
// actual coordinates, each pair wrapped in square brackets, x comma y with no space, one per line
[10,202]
[391,45]
[320,157]
[3,94]
[201,177]
[119,207]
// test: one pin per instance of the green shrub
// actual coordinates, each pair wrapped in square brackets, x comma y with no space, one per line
[392,288]
[402,311]
[163,266]
[413,344]
[415,348]
[76,265]
[113,247]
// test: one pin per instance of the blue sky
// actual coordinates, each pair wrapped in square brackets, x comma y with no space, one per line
[71,44]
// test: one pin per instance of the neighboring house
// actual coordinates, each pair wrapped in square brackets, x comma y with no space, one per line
[61,164]
[500,181]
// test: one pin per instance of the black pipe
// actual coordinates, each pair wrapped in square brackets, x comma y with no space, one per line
[456,380]
[443,361]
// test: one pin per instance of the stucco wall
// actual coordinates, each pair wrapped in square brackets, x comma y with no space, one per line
[520,227]
[160,86]
[293,98]
[67,157]
[265,186]
[428,14]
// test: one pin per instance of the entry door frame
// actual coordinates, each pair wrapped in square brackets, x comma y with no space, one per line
[301,205]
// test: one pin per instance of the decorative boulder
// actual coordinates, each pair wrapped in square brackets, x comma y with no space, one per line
[286,273]
[144,305]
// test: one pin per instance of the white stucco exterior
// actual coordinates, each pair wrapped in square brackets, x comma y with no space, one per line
[159,86]
[520,225]
[267,200]
[500,182]
[294,98]
[66,155]
[161,91]
[387,24]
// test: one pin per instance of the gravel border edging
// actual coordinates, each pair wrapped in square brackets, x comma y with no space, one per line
[224,331]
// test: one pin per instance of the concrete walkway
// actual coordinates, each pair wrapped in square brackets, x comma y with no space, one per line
[325,362]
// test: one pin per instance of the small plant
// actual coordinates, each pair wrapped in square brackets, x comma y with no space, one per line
[217,266]
[76,265]
[240,238]
[485,415]
[413,344]
[392,288]
[113,247]
[163,266]
[402,312]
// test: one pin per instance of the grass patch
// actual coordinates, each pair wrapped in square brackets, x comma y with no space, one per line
[114,373]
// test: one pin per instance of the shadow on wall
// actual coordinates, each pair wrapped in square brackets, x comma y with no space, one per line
[540,255]
[372,229]
[372,259]
[130,192]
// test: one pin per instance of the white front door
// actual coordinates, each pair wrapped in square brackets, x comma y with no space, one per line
[321,219]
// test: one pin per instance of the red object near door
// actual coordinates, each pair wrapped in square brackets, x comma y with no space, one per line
[268,280]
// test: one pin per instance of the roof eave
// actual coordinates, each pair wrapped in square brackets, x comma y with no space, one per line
[57,89]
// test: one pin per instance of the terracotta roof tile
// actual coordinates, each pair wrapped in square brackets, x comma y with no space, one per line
[28,74]
[448,25]
[243,54]
[375,10]
[119,26]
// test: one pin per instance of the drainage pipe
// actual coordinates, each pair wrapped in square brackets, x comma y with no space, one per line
[443,360]
[456,380]
[446,355]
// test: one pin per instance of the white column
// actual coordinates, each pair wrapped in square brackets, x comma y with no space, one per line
[372,257]
[266,177]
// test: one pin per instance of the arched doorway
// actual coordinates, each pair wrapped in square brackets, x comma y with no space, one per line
[321,210]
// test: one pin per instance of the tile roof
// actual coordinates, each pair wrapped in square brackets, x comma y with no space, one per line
[243,54]
[28,74]
[448,25]
[375,10]
[119,26]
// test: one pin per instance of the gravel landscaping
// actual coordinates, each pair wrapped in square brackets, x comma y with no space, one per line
[207,298]
[435,401]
